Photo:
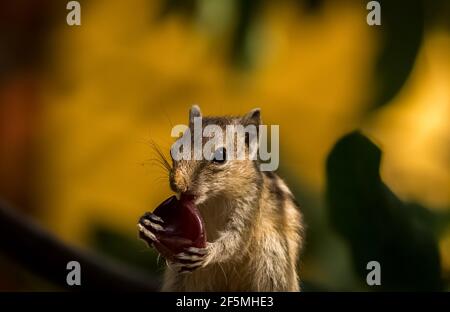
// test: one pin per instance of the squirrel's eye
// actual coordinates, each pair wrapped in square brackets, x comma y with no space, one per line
[220,155]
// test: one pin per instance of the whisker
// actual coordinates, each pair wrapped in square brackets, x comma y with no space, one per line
[158,163]
[166,115]
[160,156]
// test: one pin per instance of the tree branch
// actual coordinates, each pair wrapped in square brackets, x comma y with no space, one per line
[43,254]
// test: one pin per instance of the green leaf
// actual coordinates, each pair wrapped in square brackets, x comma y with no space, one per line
[375,223]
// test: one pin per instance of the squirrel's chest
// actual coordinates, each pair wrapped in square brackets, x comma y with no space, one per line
[218,277]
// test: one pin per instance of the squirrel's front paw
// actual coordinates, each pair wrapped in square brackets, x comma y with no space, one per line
[192,259]
[148,226]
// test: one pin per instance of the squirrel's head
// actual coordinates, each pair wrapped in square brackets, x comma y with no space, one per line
[217,157]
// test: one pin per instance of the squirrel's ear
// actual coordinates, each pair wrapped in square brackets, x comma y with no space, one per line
[194,112]
[253,117]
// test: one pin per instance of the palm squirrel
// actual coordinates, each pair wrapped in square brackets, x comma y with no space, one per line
[254,226]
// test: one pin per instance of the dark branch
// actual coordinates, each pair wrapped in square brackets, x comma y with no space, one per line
[36,249]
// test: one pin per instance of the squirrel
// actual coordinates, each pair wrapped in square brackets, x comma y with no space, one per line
[253,223]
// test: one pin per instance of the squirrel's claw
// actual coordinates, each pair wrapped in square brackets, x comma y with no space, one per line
[148,225]
[191,259]
[153,217]
[146,235]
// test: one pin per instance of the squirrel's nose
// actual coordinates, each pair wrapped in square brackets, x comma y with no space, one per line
[178,182]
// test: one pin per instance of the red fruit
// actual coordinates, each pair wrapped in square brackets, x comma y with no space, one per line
[183,226]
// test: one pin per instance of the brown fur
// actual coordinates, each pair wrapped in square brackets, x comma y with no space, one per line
[253,224]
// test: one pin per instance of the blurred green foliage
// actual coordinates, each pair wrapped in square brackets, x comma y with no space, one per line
[375,223]
[117,245]
[402,38]
[401,33]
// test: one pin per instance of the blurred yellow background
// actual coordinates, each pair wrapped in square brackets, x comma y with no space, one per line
[125,76]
